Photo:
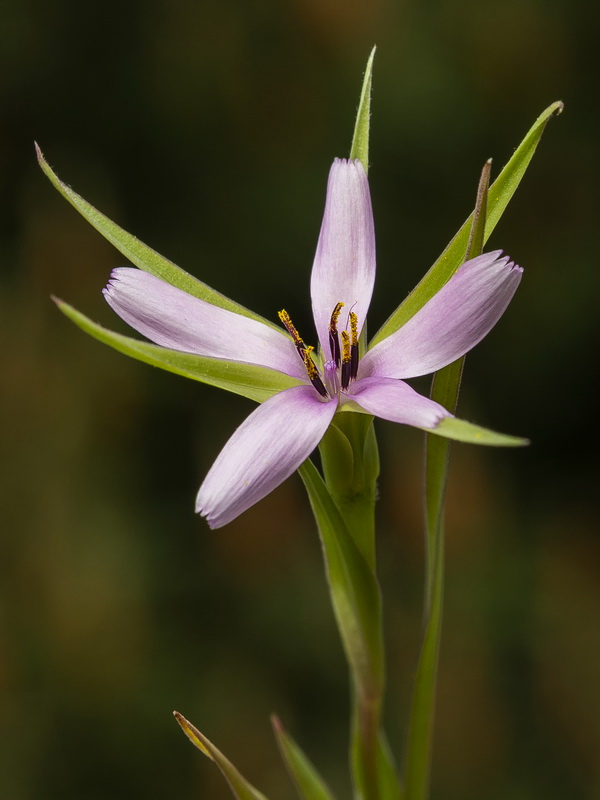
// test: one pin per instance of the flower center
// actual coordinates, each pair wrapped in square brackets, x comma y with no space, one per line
[342,369]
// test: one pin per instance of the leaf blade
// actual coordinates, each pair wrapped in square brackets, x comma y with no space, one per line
[360,138]
[140,254]
[308,782]
[499,195]
[241,788]
[356,603]
[249,380]
[462,431]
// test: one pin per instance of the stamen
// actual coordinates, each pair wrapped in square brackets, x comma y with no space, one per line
[334,339]
[291,329]
[346,360]
[354,327]
[354,345]
[305,353]
[313,372]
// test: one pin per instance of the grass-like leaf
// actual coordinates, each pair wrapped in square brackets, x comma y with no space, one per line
[360,139]
[354,591]
[306,779]
[499,195]
[140,254]
[249,380]
[240,787]
[462,431]
[357,606]
[444,390]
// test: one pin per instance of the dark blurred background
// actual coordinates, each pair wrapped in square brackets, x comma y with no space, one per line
[207,129]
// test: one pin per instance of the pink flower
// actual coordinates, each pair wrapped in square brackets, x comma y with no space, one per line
[282,432]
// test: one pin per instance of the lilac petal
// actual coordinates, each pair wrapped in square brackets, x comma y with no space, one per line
[455,319]
[267,447]
[396,401]
[344,265]
[173,318]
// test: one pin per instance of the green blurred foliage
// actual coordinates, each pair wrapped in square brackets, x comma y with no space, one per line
[207,129]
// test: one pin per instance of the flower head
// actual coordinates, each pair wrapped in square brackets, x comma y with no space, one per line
[282,432]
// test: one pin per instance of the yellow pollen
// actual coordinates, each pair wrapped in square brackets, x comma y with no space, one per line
[308,362]
[334,317]
[354,327]
[290,328]
[345,346]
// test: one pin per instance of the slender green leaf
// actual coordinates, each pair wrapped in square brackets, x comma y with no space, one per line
[354,591]
[387,785]
[360,139]
[357,606]
[419,744]
[462,431]
[453,256]
[307,780]
[240,787]
[390,786]
[444,390]
[249,380]
[140,254]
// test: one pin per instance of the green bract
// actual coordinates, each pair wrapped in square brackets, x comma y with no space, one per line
[249,380]
[499,196]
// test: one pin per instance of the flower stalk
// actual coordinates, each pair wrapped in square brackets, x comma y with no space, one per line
[353,489]
[445,388]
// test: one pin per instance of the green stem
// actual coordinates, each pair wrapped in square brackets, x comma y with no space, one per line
[351,467]
[366,718]
[445,389]
[419,745]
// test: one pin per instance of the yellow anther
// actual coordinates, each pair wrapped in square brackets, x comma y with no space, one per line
[312,371]
[308,362]
[354,327]
[334,317]
[290,328]
[304,353]
[345,346]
